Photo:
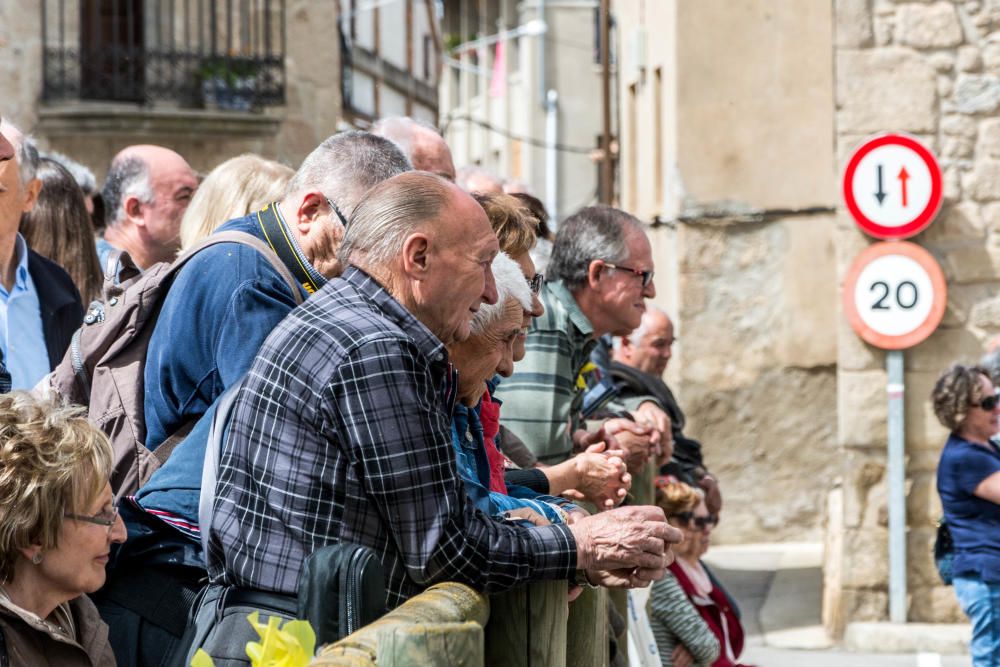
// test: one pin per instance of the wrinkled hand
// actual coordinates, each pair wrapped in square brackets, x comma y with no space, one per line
[662,439]
[634,439]
[713,496]
[601,477]
[626,578]
[681,657]
[528,514]
[625,538]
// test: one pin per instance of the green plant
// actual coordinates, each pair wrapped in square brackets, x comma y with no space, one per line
[227,69]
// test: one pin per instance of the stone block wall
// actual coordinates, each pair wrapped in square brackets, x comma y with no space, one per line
[931,69]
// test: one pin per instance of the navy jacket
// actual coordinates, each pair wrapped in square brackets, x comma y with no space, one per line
[59,300]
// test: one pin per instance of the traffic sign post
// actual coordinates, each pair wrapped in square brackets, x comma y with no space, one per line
[894,297]
[892,186]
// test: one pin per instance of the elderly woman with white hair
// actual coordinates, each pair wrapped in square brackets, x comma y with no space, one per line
[487,352]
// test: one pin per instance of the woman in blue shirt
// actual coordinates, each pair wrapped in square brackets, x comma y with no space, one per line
[968,480]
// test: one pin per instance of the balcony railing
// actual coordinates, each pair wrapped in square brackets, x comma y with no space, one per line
[201,54]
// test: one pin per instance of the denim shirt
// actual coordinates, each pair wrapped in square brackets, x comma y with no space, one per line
[474,469]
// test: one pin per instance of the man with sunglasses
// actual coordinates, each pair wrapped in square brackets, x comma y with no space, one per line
[221,306]
[599,277]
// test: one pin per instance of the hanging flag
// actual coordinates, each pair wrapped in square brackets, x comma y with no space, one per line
[498,80]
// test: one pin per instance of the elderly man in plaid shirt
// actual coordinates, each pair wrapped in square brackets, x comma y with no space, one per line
[341,430]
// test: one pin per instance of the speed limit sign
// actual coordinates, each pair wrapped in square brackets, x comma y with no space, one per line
[894,295]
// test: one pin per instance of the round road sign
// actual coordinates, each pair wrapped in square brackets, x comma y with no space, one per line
[894,295]
[892,186]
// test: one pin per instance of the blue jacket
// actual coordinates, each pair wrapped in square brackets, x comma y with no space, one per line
[220,308]
[474,469]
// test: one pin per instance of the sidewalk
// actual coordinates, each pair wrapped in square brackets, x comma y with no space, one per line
[779,590]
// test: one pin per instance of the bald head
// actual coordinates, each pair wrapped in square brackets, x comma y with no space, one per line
[648,348]
[421,143]
[477,180]
[146,192]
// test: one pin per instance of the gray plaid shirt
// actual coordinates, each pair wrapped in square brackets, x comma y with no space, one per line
[341,432]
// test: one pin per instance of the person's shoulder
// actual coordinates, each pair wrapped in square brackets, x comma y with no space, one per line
[40,266]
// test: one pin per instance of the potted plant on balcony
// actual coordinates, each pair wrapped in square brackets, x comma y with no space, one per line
[228,82]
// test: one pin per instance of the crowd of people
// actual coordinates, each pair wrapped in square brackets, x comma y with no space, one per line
[372,348]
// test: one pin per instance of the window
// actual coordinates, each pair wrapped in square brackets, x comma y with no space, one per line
[216,54]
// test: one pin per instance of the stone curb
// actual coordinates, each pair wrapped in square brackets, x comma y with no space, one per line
[945,639]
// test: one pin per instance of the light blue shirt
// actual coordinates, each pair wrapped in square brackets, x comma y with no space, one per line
[22,338]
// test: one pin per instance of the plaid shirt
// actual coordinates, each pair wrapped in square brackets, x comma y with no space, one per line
[541,401]
[340,433]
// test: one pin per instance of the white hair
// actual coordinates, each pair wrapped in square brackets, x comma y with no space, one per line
[511,284]
[401,130]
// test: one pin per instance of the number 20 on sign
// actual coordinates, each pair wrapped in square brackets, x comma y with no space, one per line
[894,295]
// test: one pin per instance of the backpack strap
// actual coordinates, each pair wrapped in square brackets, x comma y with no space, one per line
[233,236]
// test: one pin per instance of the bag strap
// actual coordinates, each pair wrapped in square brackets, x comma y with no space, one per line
[233,236]
[210,471]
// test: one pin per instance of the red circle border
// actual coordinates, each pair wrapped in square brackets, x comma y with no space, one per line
[924,218]
[927,327]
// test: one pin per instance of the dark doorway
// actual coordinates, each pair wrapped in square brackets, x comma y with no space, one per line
[112,62]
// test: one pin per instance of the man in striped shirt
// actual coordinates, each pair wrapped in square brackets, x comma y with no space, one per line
[599,278]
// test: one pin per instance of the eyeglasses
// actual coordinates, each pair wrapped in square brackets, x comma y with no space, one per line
[647,276]
[336,209]
[700,522]
[535,283]
[990,402]
[102,519]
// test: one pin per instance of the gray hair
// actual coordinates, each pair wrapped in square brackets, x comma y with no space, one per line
[388,214]
[127,177]
[82,174]
[594,232]
[400,130]
[27,152]
[347,165]
[511,284]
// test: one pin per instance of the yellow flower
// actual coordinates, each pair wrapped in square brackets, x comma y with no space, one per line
[290,645]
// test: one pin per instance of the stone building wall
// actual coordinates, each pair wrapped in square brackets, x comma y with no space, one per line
[741,138]
[931,69]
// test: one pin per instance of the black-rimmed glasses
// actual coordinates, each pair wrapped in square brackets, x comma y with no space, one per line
[336,209]
[535,283]
[647,276]
[107,518]
[699,522]
[990,402]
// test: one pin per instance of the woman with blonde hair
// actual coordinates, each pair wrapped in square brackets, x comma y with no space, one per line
[236,187]
[58,521]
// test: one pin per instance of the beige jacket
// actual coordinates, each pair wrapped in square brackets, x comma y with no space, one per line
[32,643]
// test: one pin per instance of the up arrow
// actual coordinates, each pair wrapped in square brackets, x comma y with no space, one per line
[903,176]
[880,193]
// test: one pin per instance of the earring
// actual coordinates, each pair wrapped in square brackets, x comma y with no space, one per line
[36,559]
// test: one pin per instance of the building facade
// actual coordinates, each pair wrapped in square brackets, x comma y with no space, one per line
[212,79]
[521,94]
[737,120]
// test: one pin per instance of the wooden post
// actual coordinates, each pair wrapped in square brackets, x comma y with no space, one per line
[528,626]
[643,491]
[443,603]
[587,629]
[425,644]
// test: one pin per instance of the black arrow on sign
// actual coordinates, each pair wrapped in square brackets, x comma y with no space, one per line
[880,194]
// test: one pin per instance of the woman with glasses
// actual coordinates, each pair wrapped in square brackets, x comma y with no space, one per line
[693,619]
[58,521]
[968,481]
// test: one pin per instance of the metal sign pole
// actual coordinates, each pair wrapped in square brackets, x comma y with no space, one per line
[897,493]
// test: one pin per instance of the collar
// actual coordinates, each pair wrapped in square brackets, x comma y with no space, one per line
[21,272]
[427,343]
[568,304]
[278,234]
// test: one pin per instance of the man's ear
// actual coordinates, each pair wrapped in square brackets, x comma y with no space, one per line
[416,254]
[133,209]
[309,209]
[594,273]
[31,194]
